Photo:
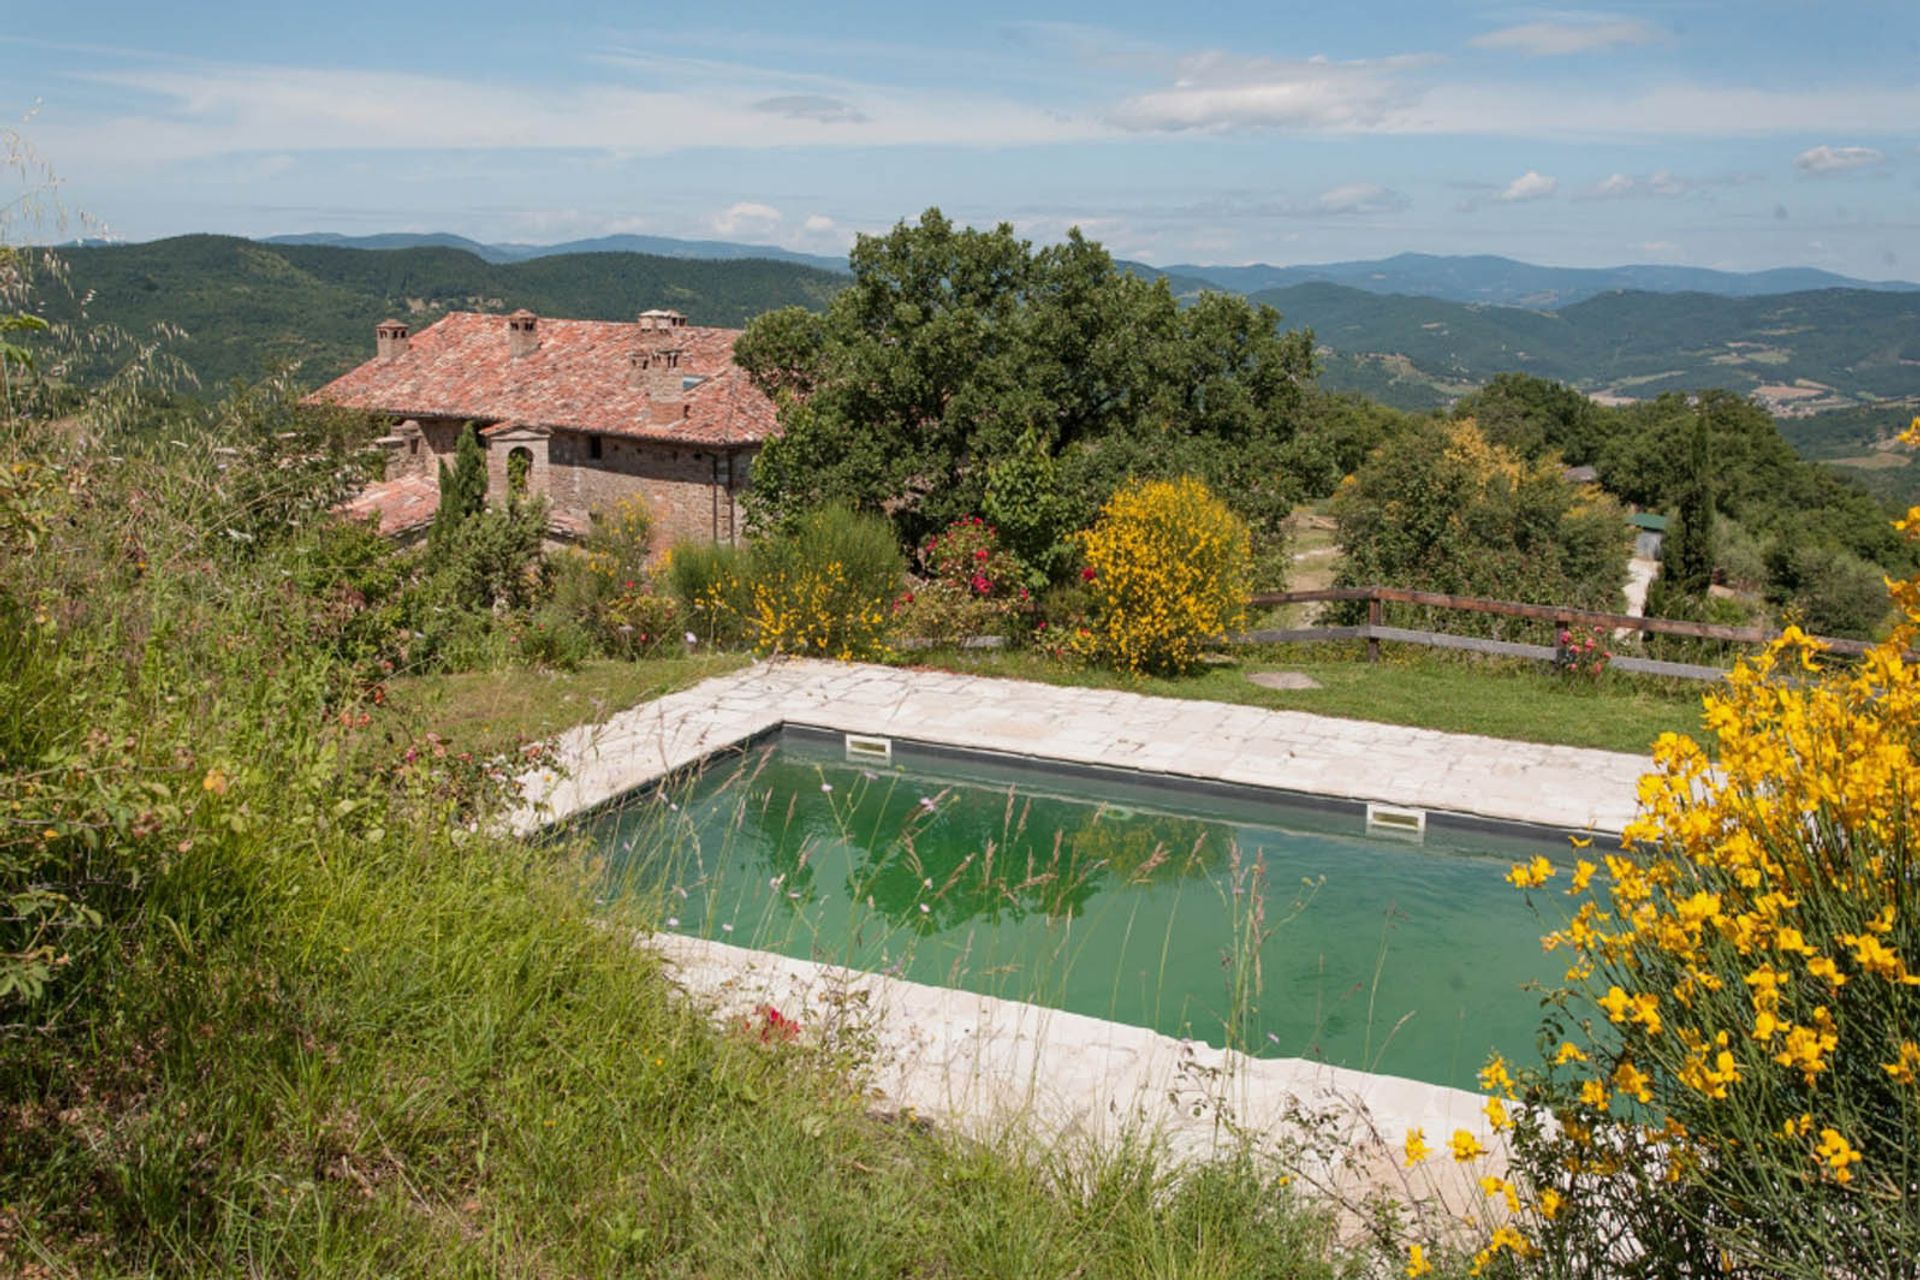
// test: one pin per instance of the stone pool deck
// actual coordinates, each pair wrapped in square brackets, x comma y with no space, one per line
[1568,787]
[979,1062]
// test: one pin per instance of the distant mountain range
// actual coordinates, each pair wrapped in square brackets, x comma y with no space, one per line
[1483,278]
[656,246]
[1496,281]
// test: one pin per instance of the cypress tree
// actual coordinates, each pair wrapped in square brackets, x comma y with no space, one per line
[463,490]
[1687,555]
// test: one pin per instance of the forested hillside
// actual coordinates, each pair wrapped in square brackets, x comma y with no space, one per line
[1831,348]
[247,306]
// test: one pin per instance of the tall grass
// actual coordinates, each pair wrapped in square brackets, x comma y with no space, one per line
[301,1015]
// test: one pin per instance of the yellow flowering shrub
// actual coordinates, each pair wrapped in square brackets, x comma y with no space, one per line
[1735,1088]
[823,589]
[1167,570]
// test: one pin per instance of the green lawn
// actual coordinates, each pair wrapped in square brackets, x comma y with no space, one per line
[1499,699]
[486,711]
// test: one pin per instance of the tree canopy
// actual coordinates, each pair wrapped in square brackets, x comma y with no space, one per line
[953,346]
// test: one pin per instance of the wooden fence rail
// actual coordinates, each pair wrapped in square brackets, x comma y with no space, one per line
[1376,629]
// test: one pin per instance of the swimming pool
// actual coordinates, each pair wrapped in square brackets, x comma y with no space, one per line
[1275,924]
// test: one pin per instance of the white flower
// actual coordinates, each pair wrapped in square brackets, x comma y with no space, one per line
[673,922]
[924,908]
[775,882]
[826,786]
[726,928]
[692,638]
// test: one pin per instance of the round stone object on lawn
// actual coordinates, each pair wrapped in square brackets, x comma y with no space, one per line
[1283,680]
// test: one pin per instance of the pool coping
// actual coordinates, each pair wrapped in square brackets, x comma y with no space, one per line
[1464,781]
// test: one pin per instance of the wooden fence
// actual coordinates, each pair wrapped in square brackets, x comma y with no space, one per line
[1376,630]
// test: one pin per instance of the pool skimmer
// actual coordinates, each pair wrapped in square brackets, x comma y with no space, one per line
[1389,820]
[869,750]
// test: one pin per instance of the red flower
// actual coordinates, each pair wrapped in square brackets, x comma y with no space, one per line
[1088,574]
[981,584]
[981,554]
[774,1025]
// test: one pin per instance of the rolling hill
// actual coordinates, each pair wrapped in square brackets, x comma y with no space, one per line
[248,306]
[1797,352]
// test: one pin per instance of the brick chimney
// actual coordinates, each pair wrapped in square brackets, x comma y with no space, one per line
[657,371]
[522,333]
[389,340]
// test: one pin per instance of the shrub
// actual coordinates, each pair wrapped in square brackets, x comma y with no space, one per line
[1166,571]
[1830,590]
[641,621]
[1027,503]
[489,560]
[554,640]
[707,581]
[619,541]
[1739,1079]
[825,588]
[973,587]
[1443,510]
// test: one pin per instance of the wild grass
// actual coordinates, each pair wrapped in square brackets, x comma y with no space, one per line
[308,1018]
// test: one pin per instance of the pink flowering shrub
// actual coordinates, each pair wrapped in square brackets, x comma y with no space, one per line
[971,585]
[1581,653]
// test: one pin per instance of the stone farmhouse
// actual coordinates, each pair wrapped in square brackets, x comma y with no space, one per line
[584,413]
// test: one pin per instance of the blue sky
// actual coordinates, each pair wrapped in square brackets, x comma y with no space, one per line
[1736,135]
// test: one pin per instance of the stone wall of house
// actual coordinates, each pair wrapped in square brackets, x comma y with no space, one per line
[691,493]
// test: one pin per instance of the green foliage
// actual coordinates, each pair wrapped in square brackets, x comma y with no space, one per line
[971,586]
[953,346]
[463,489]
[489,560]
[706,580]
[1026,500]
[1828,590]
[1529,416]
[823,587]
[1686,553]
[1443,510]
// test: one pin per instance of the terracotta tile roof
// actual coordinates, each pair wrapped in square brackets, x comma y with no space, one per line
[576,378]
[402,505]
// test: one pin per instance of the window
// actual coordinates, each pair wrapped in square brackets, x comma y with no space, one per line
[593,446]
[519,466]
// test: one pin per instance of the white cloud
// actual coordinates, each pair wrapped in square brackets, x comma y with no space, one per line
[1360,198]
[1661,182]
[1558,39]
[1219,92]
[812,106]
[817,224]
[746,218]
[1823,160]
[1530,185]
[216,109]
[1660,247]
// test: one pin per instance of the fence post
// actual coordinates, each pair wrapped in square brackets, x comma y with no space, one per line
[1562,640]
[1375,616]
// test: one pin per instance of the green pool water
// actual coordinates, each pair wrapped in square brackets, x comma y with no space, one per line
[1283,930]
